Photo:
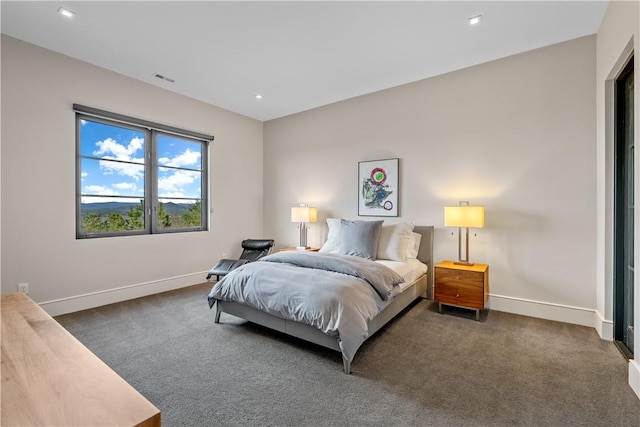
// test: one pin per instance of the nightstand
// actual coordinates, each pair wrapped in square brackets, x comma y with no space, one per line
[465,286]
[302,250]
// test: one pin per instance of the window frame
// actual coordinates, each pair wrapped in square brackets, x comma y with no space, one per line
[151,166]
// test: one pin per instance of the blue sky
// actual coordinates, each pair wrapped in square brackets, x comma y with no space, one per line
[126,177]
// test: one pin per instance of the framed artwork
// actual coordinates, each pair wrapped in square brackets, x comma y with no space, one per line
[378,188]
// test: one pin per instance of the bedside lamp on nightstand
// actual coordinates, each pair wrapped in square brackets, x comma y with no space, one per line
[464,216]
[304,215]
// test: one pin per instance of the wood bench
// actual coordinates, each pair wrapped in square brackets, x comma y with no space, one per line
[50,379]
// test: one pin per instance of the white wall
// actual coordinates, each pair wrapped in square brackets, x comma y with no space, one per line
[618,36]
[38,185]
[516,135]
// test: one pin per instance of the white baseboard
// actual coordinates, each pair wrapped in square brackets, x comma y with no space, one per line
[634,376]
[604,327]
[544,310]
[124,293]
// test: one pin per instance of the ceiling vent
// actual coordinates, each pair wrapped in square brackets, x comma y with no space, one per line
[160,76]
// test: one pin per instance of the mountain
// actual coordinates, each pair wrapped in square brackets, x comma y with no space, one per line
[105,208]
[176,208]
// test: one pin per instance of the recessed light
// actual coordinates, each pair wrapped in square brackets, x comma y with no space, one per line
[257,96]
[66,12]
[474,20]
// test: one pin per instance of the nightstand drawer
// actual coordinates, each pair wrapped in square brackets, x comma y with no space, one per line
[460,277]
[460,293]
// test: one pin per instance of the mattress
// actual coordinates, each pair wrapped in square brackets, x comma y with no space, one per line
[410,270]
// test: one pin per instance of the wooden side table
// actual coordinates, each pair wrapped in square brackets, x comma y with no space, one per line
[465,286]
[302,250]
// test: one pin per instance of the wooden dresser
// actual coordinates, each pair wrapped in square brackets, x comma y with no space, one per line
[464,286]
[50,379]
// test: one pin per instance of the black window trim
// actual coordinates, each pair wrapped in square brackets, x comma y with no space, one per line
[121,118]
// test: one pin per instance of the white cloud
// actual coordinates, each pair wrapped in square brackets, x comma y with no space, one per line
[99,190]
[84,174]
[111,146]
[126,186]
[111,150]
[189,157]
[126,169]
[96,200]
[169,195]
[176,182]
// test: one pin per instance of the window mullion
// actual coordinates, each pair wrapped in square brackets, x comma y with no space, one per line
[204,183]
[152,181]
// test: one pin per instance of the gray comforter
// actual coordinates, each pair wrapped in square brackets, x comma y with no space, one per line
[335,293]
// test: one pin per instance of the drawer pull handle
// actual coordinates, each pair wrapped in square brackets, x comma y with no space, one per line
[457,277]
[457,295]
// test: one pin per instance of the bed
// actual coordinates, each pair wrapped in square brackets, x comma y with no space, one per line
[390,301]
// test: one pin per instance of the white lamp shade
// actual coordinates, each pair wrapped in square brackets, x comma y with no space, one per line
[304,214]
[464,216]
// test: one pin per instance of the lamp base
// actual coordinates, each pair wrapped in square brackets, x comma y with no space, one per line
[464,263]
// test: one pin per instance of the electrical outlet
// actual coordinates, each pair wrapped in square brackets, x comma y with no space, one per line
[23,287]
[224,255]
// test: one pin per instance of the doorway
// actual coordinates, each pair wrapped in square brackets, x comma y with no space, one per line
[624,212]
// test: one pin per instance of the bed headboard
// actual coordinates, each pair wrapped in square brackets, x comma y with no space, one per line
[425,254]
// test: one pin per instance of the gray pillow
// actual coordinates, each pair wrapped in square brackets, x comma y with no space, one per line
[359,238]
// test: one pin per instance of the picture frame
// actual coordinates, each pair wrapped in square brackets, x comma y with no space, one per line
[378,187]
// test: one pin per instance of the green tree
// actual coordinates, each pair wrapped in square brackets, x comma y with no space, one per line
[92,223]
[164,220]
[135,217]
[193,218]
[115,222]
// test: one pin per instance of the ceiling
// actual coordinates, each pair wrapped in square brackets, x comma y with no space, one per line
[297,54]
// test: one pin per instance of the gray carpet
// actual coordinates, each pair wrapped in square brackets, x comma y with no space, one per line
[422,369]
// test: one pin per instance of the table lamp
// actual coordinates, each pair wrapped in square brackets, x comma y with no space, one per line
[304,215]
[464,216]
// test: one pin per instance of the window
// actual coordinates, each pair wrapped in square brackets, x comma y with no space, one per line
[137,177]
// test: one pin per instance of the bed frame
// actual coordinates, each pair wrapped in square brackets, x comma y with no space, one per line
[423,286]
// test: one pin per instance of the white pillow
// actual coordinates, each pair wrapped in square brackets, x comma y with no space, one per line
[332,245]
[414,246]
[395,241]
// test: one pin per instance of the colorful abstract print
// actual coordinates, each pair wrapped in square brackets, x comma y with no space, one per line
[375,192]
